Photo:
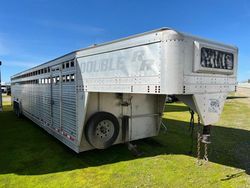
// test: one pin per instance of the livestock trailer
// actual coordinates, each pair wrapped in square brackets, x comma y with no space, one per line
[115,92]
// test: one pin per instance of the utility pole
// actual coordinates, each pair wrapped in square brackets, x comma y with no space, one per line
[1,103]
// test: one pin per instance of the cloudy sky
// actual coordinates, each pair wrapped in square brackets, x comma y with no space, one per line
[35,31]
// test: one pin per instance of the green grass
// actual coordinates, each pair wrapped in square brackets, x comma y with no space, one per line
[29,157]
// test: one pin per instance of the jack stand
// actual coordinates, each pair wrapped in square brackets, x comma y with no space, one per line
[203,138]
[134,150]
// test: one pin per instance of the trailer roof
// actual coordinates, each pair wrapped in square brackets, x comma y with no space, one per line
[126,38]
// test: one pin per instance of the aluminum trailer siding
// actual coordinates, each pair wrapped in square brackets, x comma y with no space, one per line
[115,92]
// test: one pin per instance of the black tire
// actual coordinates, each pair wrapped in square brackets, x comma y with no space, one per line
[14,109]
[17,110]
[18,114]
[102,129]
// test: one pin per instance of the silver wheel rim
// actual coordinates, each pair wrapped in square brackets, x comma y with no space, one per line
[105,130]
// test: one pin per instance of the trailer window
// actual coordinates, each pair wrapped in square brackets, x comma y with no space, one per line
[211,58]
[54,80]
[67,78]
[63,78]
[72,77]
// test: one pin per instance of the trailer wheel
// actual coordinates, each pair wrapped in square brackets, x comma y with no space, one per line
[102,130]
[17,110]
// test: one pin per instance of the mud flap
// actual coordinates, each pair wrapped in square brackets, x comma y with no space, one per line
[209,106]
